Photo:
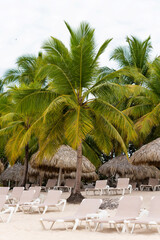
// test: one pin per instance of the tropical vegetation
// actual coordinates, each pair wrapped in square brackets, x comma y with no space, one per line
[63,96]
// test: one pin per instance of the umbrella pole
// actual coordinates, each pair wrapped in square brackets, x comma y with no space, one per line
[59,177]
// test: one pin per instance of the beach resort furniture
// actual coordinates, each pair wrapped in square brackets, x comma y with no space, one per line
[100,187]
[128,209]
[153,185]
[51,183]
[26,198]
[153,217]
[4,190]
[53,199]
[5,209]
[87,208]
[69,185]
[15,194]
[37,190]
[122,186]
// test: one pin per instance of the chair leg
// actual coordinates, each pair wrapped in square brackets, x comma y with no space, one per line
[10,215]
[45,209]
[76,224]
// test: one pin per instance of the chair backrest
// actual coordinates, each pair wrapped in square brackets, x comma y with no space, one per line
[88,206]
[2,201]
[17,192]
[51,183]
[154,209]
[70,182]
[101,184]
[153,182]
[27,196]
[53,197]
[37,191]
[123,182]
[4,190]
[129,207]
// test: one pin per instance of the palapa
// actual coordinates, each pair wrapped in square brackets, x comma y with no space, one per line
[121,166]
[64,159]
[148,154]
[15,173]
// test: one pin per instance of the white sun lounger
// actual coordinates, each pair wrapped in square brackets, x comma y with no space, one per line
[153,217]
[87,208]
[53,199]
[128,209]
[100,187]
[122,186]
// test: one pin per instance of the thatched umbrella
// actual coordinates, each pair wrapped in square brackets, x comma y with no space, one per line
[65,158]
[120,165]
[148,154]
[1,167]
[15,173]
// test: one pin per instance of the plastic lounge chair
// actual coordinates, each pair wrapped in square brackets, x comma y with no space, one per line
[122,185]
[52,200]
[128,209]
[4,209]
[16,194]
[152,185]
[37,193]
[153,217]
[26,198]
[69,185]
[87,208]
[4,190]
[51,183]
[101,186]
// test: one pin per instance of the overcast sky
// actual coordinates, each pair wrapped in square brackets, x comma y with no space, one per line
[26,24]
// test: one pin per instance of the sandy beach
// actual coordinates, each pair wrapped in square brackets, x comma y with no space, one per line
[28,227]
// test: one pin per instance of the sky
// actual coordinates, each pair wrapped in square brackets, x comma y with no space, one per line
[26,24]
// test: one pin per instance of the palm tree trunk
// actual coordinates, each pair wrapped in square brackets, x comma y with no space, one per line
[76,196]
[25,166]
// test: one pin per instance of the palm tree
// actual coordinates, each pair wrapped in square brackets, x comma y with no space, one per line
[134,57]
[27,70]
[80,108]
[144,104]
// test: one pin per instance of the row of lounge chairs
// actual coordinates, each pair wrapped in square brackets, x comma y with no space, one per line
[128,215]
[29,201]
[101,187]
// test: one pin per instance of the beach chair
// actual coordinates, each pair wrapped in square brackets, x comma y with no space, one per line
[15,194]
[53,199]
[4,190]
[122,186]
[5,209]
[100,187]
[69,185]
[153,217]
[51,183]
[37,190]
[153,184]
[26,198]
[87,208]
[128,209]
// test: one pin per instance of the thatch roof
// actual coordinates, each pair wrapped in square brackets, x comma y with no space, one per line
[15,173]
[1,167]
[65,158]
[121,166]
[148,154]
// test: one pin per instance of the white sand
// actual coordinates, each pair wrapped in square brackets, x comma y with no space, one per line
[28,227]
